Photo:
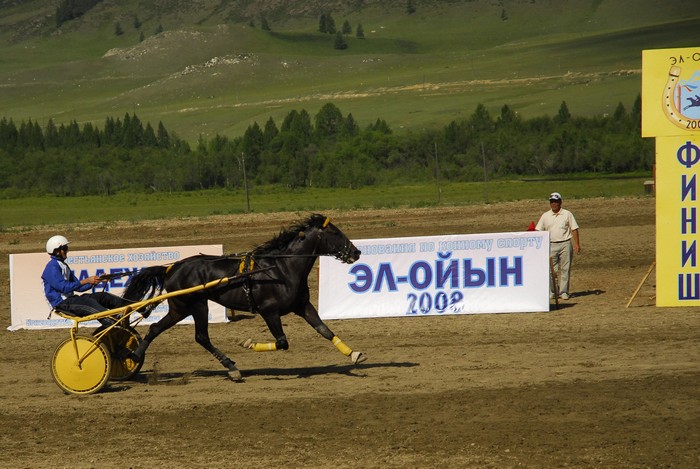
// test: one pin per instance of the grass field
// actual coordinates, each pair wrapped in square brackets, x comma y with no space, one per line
[18,213]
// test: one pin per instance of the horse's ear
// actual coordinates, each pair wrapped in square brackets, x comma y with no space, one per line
[302,235]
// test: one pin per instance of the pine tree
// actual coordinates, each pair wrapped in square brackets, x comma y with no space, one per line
[410,7]
[620,112]
[330,24]
[340,43]
[351,127]
[329,121]
[108,132]
[360,32]
[149,137]
[347,29]
[270,131]
[481,120]
[253,144]
[163,137]
[50,135]
[564,115]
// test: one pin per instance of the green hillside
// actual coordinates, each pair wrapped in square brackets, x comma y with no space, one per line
[213,69]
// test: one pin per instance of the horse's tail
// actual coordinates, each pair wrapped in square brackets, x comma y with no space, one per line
[144,285]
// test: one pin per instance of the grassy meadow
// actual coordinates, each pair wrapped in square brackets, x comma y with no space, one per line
[414,71]
[210,72]
[19,214]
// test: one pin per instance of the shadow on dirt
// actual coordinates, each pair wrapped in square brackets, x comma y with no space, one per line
[565,304]
[587,293]
[306,372]
[156,378]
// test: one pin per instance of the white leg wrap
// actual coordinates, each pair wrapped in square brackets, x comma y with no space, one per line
[357,357]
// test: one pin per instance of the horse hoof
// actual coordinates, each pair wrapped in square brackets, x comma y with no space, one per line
[246,343]
[235,375]
[357,357]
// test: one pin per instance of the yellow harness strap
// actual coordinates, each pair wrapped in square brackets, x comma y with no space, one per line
[247,264]
[326,223]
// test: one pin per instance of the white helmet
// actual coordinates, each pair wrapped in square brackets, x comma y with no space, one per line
[55,242]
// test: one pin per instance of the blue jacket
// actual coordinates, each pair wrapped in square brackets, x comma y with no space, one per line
[60,282]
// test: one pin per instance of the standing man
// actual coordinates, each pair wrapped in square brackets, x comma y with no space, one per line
[61,284]
[563,232]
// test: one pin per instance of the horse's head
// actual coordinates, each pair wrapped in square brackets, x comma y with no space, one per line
[332,241]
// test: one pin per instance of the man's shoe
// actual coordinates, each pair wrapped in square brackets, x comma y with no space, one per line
[564,296]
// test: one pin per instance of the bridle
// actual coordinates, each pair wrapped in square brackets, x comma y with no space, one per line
[343,254]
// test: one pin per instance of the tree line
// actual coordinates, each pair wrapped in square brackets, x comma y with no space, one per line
[327,150]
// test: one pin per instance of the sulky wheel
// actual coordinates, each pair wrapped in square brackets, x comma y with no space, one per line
[84,372]
[121,341]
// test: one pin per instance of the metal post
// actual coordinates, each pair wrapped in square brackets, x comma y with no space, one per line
[486,185]
[437,174]
[245,184]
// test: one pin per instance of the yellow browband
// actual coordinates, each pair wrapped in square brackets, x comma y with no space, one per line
[327,222]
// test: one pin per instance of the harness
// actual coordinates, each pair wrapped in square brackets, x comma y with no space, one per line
[246,265]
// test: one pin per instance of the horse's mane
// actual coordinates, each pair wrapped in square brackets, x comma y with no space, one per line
[285,236]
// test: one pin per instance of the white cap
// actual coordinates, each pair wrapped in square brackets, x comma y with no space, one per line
[554,196]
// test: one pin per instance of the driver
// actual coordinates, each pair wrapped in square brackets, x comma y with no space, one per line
[61,285]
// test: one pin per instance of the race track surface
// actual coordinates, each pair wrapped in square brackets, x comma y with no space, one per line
[591,384]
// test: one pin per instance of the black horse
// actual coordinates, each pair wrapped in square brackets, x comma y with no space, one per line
[271,280]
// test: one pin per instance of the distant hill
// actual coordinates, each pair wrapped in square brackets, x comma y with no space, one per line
[216,66]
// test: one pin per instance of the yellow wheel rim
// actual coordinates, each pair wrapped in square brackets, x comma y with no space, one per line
[118,340]
[84,372]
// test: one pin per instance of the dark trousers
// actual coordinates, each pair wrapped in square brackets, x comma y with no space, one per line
[85,305]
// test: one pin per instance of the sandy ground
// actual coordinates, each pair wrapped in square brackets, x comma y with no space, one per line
[591,384]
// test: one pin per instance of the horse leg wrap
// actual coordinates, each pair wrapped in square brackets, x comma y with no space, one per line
[263,347]
[340,345]
[281,344]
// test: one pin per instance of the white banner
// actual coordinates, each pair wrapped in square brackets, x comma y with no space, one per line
[30,309]
[437,275]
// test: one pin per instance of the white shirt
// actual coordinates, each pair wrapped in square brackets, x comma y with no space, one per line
[560,225]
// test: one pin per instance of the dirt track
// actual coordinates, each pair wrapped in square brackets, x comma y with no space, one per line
[591,384]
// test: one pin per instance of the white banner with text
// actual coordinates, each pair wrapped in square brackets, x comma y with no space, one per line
[438,275]
[30,309]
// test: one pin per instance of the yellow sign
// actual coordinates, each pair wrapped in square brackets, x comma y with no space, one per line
[671,113]
[670,92]
[677,221]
